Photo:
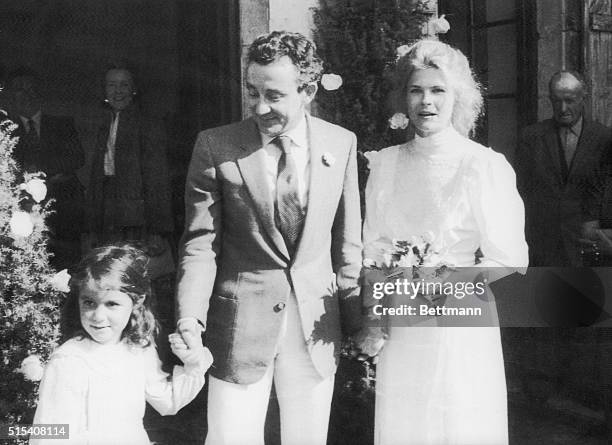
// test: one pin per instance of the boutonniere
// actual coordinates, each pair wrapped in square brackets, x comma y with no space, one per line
[328,159]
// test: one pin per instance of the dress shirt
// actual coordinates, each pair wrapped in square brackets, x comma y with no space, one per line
[301,155]
[569,140]
[35,118]
[109,154]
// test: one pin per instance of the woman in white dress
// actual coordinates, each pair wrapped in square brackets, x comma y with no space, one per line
[442,385]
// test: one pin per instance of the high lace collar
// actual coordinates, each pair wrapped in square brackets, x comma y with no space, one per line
[444,141]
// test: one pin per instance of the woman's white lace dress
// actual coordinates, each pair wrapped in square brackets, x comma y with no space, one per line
[444,385]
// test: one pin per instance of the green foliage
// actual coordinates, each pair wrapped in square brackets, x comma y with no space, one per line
[358,39]
[29,315]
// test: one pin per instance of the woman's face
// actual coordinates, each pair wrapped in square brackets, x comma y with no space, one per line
[430,101]
[119,89]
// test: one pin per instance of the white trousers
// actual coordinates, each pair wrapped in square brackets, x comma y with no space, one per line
[237,413]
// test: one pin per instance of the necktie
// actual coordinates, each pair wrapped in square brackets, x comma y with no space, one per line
[289,214]
[32,129]
[569,147]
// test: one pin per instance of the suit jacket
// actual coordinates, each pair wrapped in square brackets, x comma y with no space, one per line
[554,205]
[139,193]
[58,153]
[235,270]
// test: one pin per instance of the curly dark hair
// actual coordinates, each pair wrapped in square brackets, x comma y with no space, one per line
[302,51]
[117,267]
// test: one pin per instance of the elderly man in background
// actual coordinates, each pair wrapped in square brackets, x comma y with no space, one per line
[556,160]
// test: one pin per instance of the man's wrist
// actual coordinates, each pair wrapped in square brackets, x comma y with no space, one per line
[190,320]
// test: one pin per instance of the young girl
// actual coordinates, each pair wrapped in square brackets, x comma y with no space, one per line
[98,380]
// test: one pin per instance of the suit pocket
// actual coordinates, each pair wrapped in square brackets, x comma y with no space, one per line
[220,323]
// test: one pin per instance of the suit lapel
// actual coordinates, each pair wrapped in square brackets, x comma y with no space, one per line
[318,191]
[253,170]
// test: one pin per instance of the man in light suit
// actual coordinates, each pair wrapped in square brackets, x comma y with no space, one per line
[271,253]
[555,161]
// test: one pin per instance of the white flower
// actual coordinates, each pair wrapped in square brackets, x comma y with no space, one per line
[439,25]
[35,187]
[31,368]
[328,159]
[401,51]
[21,224]
[331,81]
[60,281]
[398,120]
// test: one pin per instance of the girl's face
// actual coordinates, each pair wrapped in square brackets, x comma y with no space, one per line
[430,101]
[104,313]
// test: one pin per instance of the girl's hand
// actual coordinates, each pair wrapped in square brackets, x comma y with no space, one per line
[190,350]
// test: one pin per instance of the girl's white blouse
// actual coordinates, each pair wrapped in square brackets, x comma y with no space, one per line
[100,391]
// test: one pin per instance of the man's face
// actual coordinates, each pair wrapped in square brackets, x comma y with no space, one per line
[119,89]
[567,99]
[24,94]
[273,96]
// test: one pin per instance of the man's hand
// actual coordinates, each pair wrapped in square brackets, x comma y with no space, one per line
[189,325]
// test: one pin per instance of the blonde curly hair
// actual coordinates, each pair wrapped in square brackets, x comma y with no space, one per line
[428,53]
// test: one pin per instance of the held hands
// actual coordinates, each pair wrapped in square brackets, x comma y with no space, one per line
[189,348]
[368,343]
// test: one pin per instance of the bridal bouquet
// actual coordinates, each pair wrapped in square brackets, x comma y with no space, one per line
[416,257]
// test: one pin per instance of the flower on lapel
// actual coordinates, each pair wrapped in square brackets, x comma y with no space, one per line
[331,82]
[328,159]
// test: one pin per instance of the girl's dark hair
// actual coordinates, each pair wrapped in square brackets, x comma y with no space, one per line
[116,267]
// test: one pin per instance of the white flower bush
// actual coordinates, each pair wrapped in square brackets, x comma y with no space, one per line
[21,224]
[32,368]
[60,281]
[36,187]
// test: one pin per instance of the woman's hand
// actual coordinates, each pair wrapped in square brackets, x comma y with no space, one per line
[368,342]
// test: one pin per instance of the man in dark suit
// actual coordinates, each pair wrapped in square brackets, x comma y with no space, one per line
[50,144]
[271,252]
[555,161]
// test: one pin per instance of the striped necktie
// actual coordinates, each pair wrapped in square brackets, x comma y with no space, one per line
[289,213]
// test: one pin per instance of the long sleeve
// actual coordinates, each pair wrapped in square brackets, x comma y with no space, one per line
[499,212]
[374,239]
[63,398]
[200,241]
[346,245]
[169,396]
